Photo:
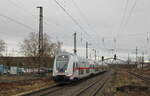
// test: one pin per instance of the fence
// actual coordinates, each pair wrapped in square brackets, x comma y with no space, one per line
[19,65]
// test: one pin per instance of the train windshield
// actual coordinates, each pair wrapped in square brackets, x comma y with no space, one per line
[62,63]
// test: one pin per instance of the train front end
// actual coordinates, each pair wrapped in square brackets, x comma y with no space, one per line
[60,68]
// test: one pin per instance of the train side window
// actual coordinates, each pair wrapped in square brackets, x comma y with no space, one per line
[74,66]
[81,71]
[87,70]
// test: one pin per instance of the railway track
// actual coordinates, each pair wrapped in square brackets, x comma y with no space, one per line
[94,88]
[97,83]
[44,91]
[146,79]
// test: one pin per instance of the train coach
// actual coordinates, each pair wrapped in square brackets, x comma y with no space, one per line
[69,67]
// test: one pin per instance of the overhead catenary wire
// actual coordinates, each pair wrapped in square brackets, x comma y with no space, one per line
[124,20]
[44,23]
[123,16]
[72,18]
[68,12]
[25,10]
[21,7]
[86,21]
[28,12]
[121,23]
[83,16]
[70,29]
[130,13]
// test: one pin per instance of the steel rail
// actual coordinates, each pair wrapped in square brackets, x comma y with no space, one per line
[88,87]
[146,79]
[100,87]
[42,91]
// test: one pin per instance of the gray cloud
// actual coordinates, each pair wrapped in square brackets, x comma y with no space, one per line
[103,16]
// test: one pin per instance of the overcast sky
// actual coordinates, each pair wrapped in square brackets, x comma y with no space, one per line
[103,22]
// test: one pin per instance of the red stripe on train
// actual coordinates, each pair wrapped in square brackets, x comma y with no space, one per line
[80,68]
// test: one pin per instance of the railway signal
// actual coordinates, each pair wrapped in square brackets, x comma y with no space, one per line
[115,57]
[75,43]
[102,58]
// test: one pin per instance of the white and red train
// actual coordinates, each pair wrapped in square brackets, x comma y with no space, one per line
[69,67]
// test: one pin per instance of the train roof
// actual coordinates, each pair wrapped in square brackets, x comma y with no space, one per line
[80,58]
[71,54]
[64,53]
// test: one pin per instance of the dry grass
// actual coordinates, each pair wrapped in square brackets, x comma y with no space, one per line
[12,88]
[124,84]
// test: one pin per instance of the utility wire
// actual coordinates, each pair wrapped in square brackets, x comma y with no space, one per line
[83,16]
[74,20]
[123,17]
[20,7]
[130,13]
[59,25]
[86,21]
[81,38]
[123,21]
[15,21]
[28,12]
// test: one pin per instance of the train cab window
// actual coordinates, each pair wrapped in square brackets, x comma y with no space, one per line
[62,63]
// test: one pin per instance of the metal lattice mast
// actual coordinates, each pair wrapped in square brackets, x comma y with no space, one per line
[86,50]
[41,49]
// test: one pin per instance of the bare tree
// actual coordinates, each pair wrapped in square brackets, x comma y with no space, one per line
[2,47]
[29,47]
[55,48]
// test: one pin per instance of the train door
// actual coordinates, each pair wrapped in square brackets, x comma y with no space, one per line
[88,68]
[75,69]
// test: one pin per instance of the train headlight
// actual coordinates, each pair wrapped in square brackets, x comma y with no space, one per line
[56,71]
[71,78]
[66,72]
